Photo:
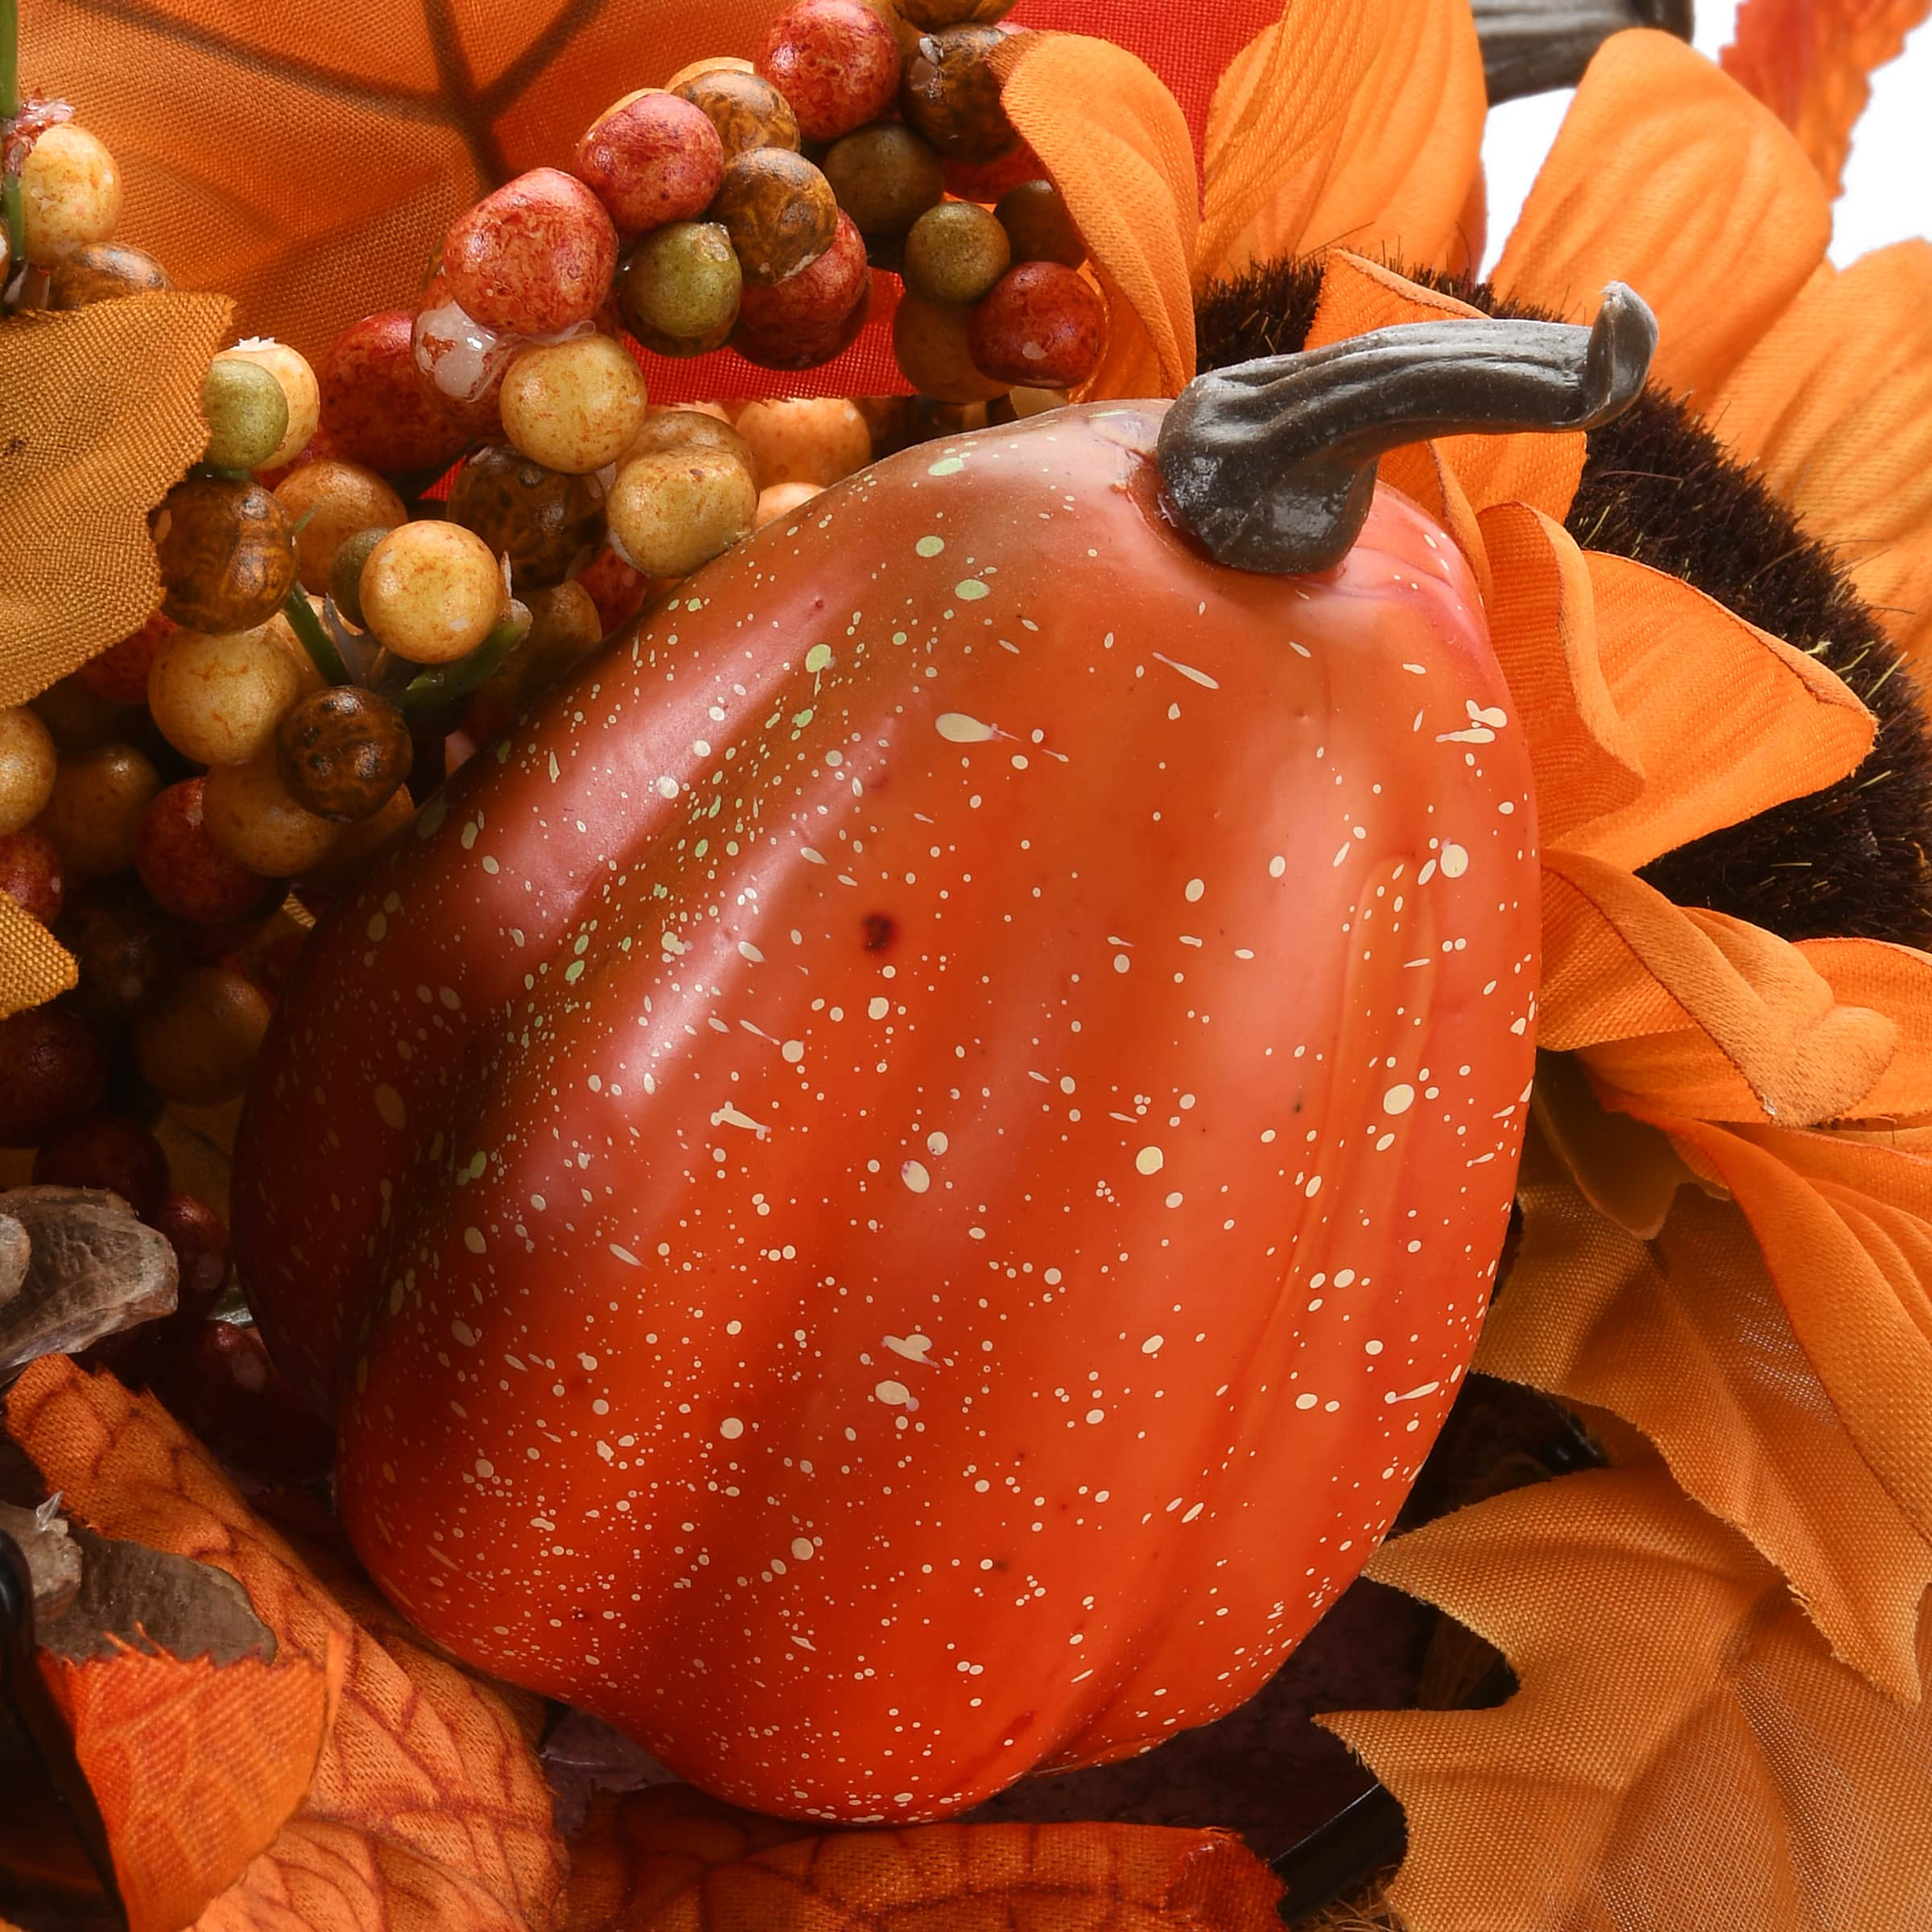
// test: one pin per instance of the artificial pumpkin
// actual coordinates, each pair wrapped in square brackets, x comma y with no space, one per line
[892,1193]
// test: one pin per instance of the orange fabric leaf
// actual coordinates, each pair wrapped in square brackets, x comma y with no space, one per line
[1846,1227]
[1423,473]
[1808,61]
[1542,624]
[426,1780]
[1684,1751]
[1668,175]
[1543,471]
[694,1866]
[1685,1337]
[1835,407]
[1662,997]
[1359,125]
[1117,142]
[1898,981]
[196,1766]
[1726,721]
[33,965]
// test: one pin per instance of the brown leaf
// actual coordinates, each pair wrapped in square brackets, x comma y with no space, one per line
[426,1797]
[1684,1751]
[672,1861]
[1809,61]
[1685,1337]
[131,1597]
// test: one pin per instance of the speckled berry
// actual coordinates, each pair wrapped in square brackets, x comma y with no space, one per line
[126,952]
[218,696]
[330,501]
[835,61]
[108,1151]
[1042,324]
[431,591]
[255,821]
[56,1067]
[377,408]
[28,764]
[227,553]
[185,873]
[812,314]
[31,875]
[199,1047]
[93,815]
[119,674]
[573,407]
[677,508]
[343,751]
[818,439]
[779,211]
[534,255]
[70,194]
[652,158]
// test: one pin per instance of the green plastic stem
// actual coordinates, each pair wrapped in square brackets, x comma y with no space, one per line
[316,641]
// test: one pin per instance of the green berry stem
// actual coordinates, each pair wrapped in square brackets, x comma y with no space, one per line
[307,626]
[12,210]
[428,694]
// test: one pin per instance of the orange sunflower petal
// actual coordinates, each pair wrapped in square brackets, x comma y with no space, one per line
[1844,1225]
[1726,719]
[1117,142]
[1691,1008]
[1808,61]
[1543,471]
[1358,125]
[1542,624]
[1835,407]
[1898,981]
[1668,175]
[1684,1335]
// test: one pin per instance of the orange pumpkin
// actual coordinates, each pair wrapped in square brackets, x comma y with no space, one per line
[893,1192]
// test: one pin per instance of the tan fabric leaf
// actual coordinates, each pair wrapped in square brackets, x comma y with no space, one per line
[33,965]
[1685,1337]
[1809,61]
[1684,1751]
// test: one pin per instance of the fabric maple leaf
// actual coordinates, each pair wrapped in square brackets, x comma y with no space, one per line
[670,1859]
[427,1807]
[1683,1751]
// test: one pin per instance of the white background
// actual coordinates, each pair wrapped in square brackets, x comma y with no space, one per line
[1888,181]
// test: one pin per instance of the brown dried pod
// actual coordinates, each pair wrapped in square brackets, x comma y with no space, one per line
[14,1249]
[101,271]
[227,552]
[53,1558]
[952,95]
[93,1269]
[132,1597]
[541,519]
[780,211]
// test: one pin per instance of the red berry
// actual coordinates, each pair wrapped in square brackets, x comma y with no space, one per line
[119,673]
[56,1071]
[30,874]
[185,875]
[109,1151]
[218,1379]
[652,159]
[199,1240]
[813,313]
[989,180]
[536,255]
[1041,323]
[836,62]
[616,590]
[377,406]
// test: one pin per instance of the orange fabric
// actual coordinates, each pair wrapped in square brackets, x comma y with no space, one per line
[427,1802]
[1669,176]
[1685,1337]
[1684,1751]
[1543,471]
[1835,407]
[1898,980]
[1117,142]
[198,1766]
[668,1860]
[1360,125]
[1809,61]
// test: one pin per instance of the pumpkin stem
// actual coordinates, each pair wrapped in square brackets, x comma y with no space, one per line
[1271,464]
[1531,46]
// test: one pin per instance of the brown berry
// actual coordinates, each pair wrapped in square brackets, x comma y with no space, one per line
[951,94]
[185,873]
[127,952]
[747,112]
[56,1071]
[329,501]
[108,1151]
[955,252]
[29,765]
[932,344]
[101,271]
[199,1047]
[779,211]
[227,553]
[343,751]
[542,520]
[1039,225]
[255,821]
[94,815]
[30,874]
[885,177]
[199,1240]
